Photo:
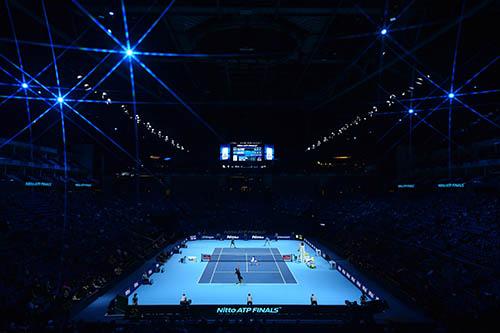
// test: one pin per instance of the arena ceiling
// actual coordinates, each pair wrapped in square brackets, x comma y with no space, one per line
[315,78]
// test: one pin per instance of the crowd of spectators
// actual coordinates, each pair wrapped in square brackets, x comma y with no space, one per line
[440,249]
[50,263]
[228,211]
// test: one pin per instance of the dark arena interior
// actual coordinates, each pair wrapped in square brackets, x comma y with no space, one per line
[249,166]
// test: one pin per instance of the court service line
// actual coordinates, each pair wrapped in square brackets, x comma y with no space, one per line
[284,282]
[216,264]
[249,272]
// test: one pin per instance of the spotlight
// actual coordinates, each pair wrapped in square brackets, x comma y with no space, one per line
[129,52]
[60,99]
[410,111]
[451,95]
[383,31]
[24,85]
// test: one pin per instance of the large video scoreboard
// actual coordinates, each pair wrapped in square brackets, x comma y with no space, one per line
[246,152]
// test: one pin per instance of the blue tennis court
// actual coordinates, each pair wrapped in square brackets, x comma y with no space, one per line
[205,284]
[273,281]
[269,267]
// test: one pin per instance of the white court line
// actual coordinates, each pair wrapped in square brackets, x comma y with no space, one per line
[277,266]
[216,264]
[250,272]
[251,283]
[290,270]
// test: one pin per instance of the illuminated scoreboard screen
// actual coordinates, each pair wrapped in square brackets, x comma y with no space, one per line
[246,152]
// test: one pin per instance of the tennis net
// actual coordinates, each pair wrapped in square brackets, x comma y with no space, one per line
[246,257]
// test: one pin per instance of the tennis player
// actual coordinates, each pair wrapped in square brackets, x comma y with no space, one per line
[238,275]
[267,242]
[232,245]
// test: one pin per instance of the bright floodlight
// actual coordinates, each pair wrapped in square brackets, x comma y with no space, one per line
[24,85]
[60,99]
[383,31]
[410,111]
[129,52]
[451,95]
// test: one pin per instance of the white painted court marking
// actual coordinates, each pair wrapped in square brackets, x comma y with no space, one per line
[277,265]
[252,272]
[216,264]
